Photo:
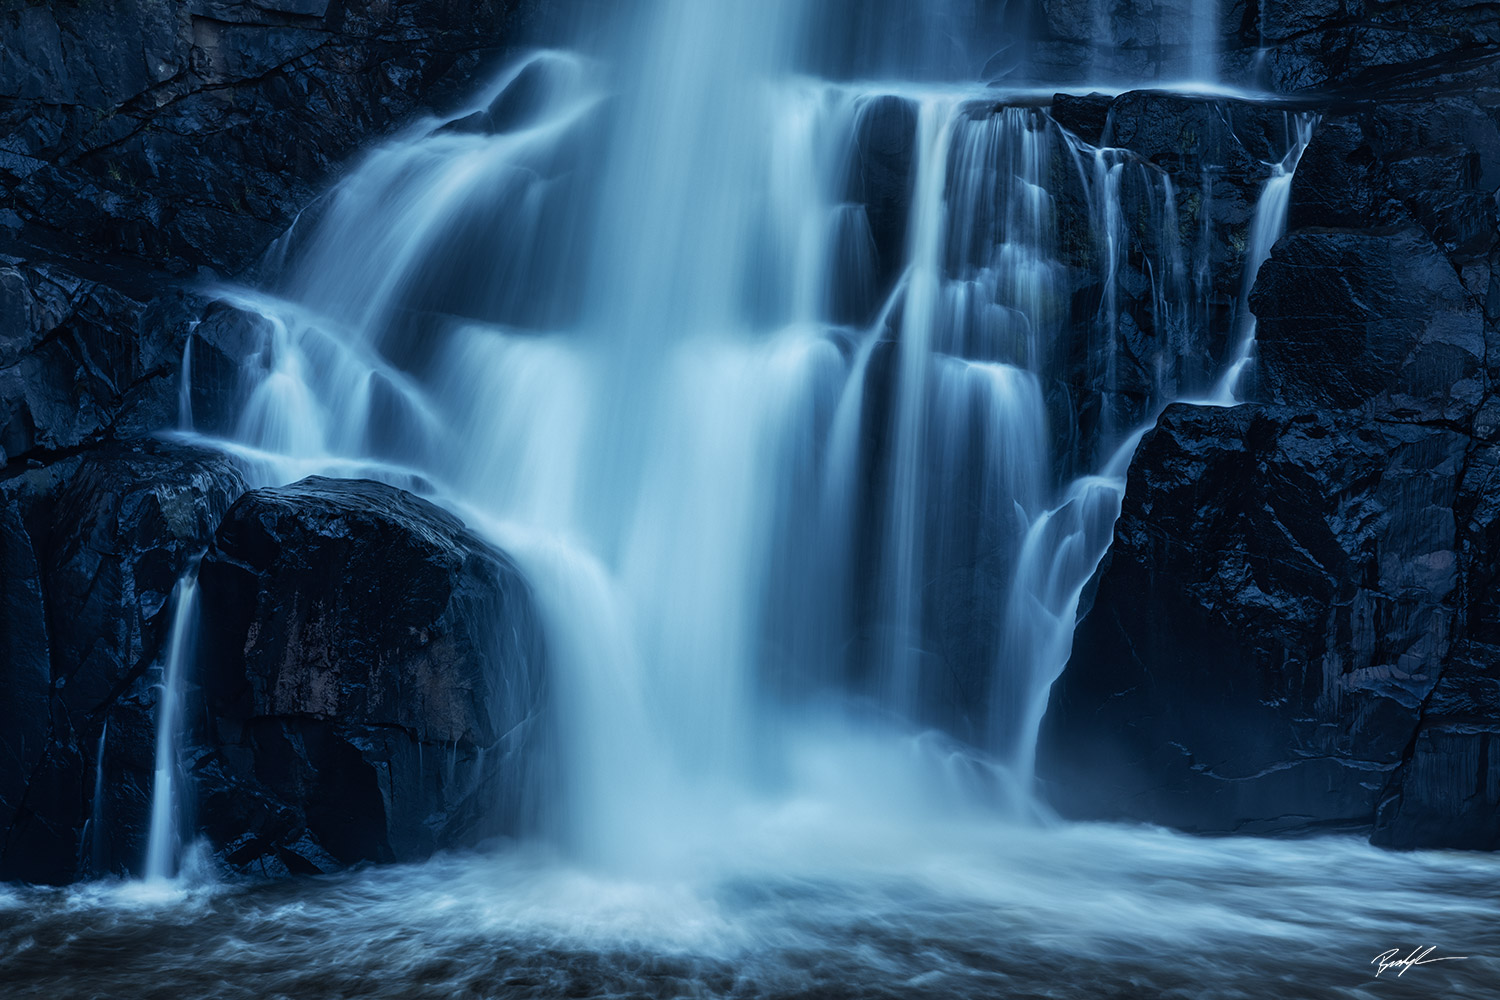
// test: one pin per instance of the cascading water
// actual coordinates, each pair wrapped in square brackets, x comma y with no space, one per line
[163,838]
[801,384]
[763,409]
[93,839]
[1265,229]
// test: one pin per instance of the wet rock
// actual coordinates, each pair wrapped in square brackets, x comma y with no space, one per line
[1281,45]
[1083,40]
[100,540]
[1277,606]
[522,101]
[880,180]
[1368,318]
[374,677]
[1446,794]
[221,346]
[81,362]
[189,134]
[1372,48]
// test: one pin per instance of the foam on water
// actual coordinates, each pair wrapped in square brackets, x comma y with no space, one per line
[929,909]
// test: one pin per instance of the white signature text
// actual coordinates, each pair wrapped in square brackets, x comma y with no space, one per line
[1392,960]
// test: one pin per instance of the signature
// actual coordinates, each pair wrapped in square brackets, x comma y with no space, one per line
[1390,960]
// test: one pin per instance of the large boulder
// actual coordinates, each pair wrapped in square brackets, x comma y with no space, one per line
[374,676]
[1278,604]
[93,547]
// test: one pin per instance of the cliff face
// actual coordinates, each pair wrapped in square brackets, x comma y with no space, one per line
[1295,627]
[1353,47]
[185,135]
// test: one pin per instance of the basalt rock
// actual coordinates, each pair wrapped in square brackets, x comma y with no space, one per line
[188,134]
[374,678]
[97,544]
[83,364]
[1369,319]
[1279,602]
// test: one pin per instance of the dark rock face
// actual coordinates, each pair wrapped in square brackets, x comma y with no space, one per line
[880,186]
[189,134]
[373,673]
[98,543]
[1276,608]
[1364,47]
[81,361]
[1284,45]
[1378,318]
[1295,628]
[150,142]
[83,365]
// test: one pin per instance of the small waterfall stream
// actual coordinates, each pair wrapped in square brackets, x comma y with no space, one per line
[1265,229]
[163,841]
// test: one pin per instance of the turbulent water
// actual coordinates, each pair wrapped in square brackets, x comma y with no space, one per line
[748,350]
[958,910]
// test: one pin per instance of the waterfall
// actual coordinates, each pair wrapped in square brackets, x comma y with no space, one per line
[803,402]
[166,804]
[919,319]
[93,832]
[1266,228]
[1203,41]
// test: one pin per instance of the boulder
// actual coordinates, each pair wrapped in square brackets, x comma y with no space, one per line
[374,680]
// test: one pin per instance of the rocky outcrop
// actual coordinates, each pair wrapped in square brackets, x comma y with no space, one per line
[81,361]
[1294,629]
[1346,46]
[1277,606]
[185,135]
[1362,47]
[1373,320]
[84,365]
[148,144]
[374,678]
[93,547]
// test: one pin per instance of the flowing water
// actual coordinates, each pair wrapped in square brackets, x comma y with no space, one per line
[948,910]
[166,804]
[805,404]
